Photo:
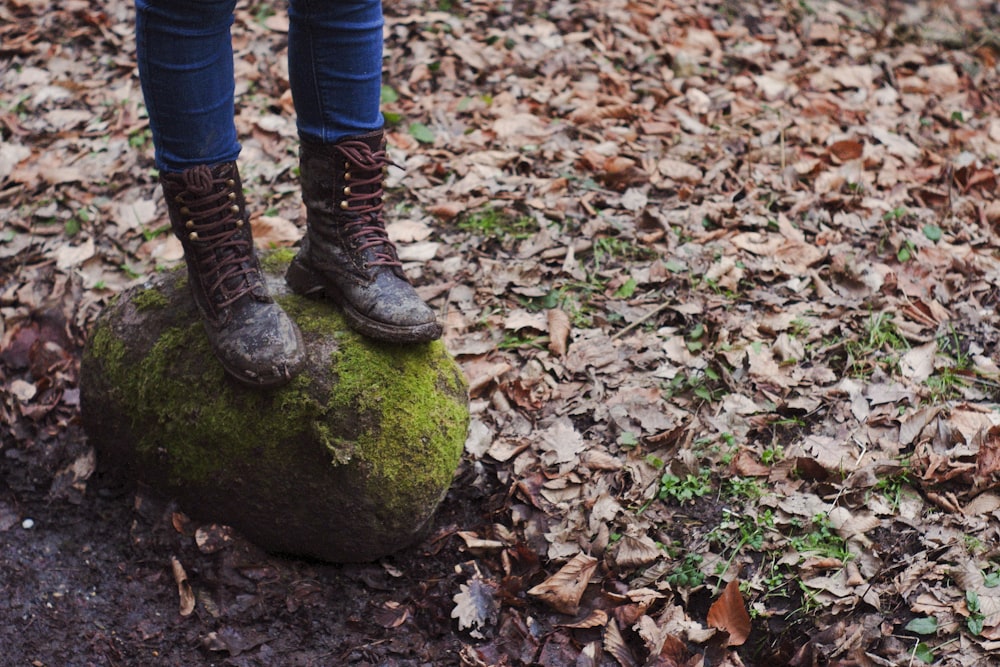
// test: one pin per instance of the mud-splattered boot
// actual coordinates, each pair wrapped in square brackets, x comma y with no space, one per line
[346,254]
[256,341]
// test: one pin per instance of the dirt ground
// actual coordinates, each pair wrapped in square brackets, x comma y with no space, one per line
[90,583]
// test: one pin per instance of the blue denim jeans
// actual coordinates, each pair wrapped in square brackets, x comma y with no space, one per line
[185,57]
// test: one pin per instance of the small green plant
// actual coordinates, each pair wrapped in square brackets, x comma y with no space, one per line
[742,488]
[906,251]
[513,340]
[822,541]
[800,327]
[772,455]
[694,340]
[610,248]
[689,574]
[933,233]
[494,223]
[150,234]
[263,13]
[130,271]
[706,385]
[893,488]
[895,214]
[626,290]
[976,618]
[140,138]
[687,489]
[878,346]
[946,385]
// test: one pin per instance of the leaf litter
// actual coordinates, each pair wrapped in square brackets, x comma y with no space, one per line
[723,278]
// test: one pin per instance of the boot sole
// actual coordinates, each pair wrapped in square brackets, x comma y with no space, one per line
[308,283]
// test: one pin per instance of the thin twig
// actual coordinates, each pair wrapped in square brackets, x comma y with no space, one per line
[642,319]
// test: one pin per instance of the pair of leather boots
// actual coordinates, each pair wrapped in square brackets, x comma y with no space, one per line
[346,255]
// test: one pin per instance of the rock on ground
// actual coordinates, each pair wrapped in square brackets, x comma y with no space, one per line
[347,463]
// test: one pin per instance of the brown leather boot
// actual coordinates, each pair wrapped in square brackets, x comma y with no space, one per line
[346,253]
[257,343]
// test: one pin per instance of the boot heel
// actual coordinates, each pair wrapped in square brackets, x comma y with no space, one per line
[303,280]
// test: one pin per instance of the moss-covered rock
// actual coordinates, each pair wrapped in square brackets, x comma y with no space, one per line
[346,463]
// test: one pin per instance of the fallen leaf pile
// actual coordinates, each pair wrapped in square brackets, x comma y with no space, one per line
[723,277]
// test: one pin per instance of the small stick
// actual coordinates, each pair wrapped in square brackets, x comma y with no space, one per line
[642,319]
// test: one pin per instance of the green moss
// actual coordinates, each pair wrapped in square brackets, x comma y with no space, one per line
[394,390]
[276,261]
[148,299]
[314,316]
[107,349]
[200,431]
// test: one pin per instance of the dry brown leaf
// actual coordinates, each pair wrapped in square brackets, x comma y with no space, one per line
[846,149]
[598,618]
[632,552]
[988,456]
[563,590]
[615,644]
[559,330]
[476,607]
[184,591]
[213,537]
[271,231]
[391,614]
[729,613]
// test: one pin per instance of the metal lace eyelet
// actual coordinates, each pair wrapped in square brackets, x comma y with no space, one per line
[347,174]
[185,210]
[234,208]
[189,224]
[230,182]
[232,196]
[344,205]
[193,236]
[239,223]
[347,190]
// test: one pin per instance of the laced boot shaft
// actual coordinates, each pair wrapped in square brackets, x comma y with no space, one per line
[358,196]
[253,338]
[346,253]
[209,216]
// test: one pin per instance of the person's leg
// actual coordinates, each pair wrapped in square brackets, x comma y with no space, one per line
[185,57]
[335,69]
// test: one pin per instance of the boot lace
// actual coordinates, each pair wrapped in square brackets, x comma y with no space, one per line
[214,224]
[363,175]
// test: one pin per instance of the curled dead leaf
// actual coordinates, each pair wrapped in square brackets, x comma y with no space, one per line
[729,613]
[559,328]
[598,618]
[634,551]
[615,644]
[184,590]
[988,456]
[391,614]
[563,590]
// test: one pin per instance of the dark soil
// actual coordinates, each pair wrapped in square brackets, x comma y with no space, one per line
[90,582]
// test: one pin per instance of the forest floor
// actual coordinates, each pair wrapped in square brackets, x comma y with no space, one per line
[723,277]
